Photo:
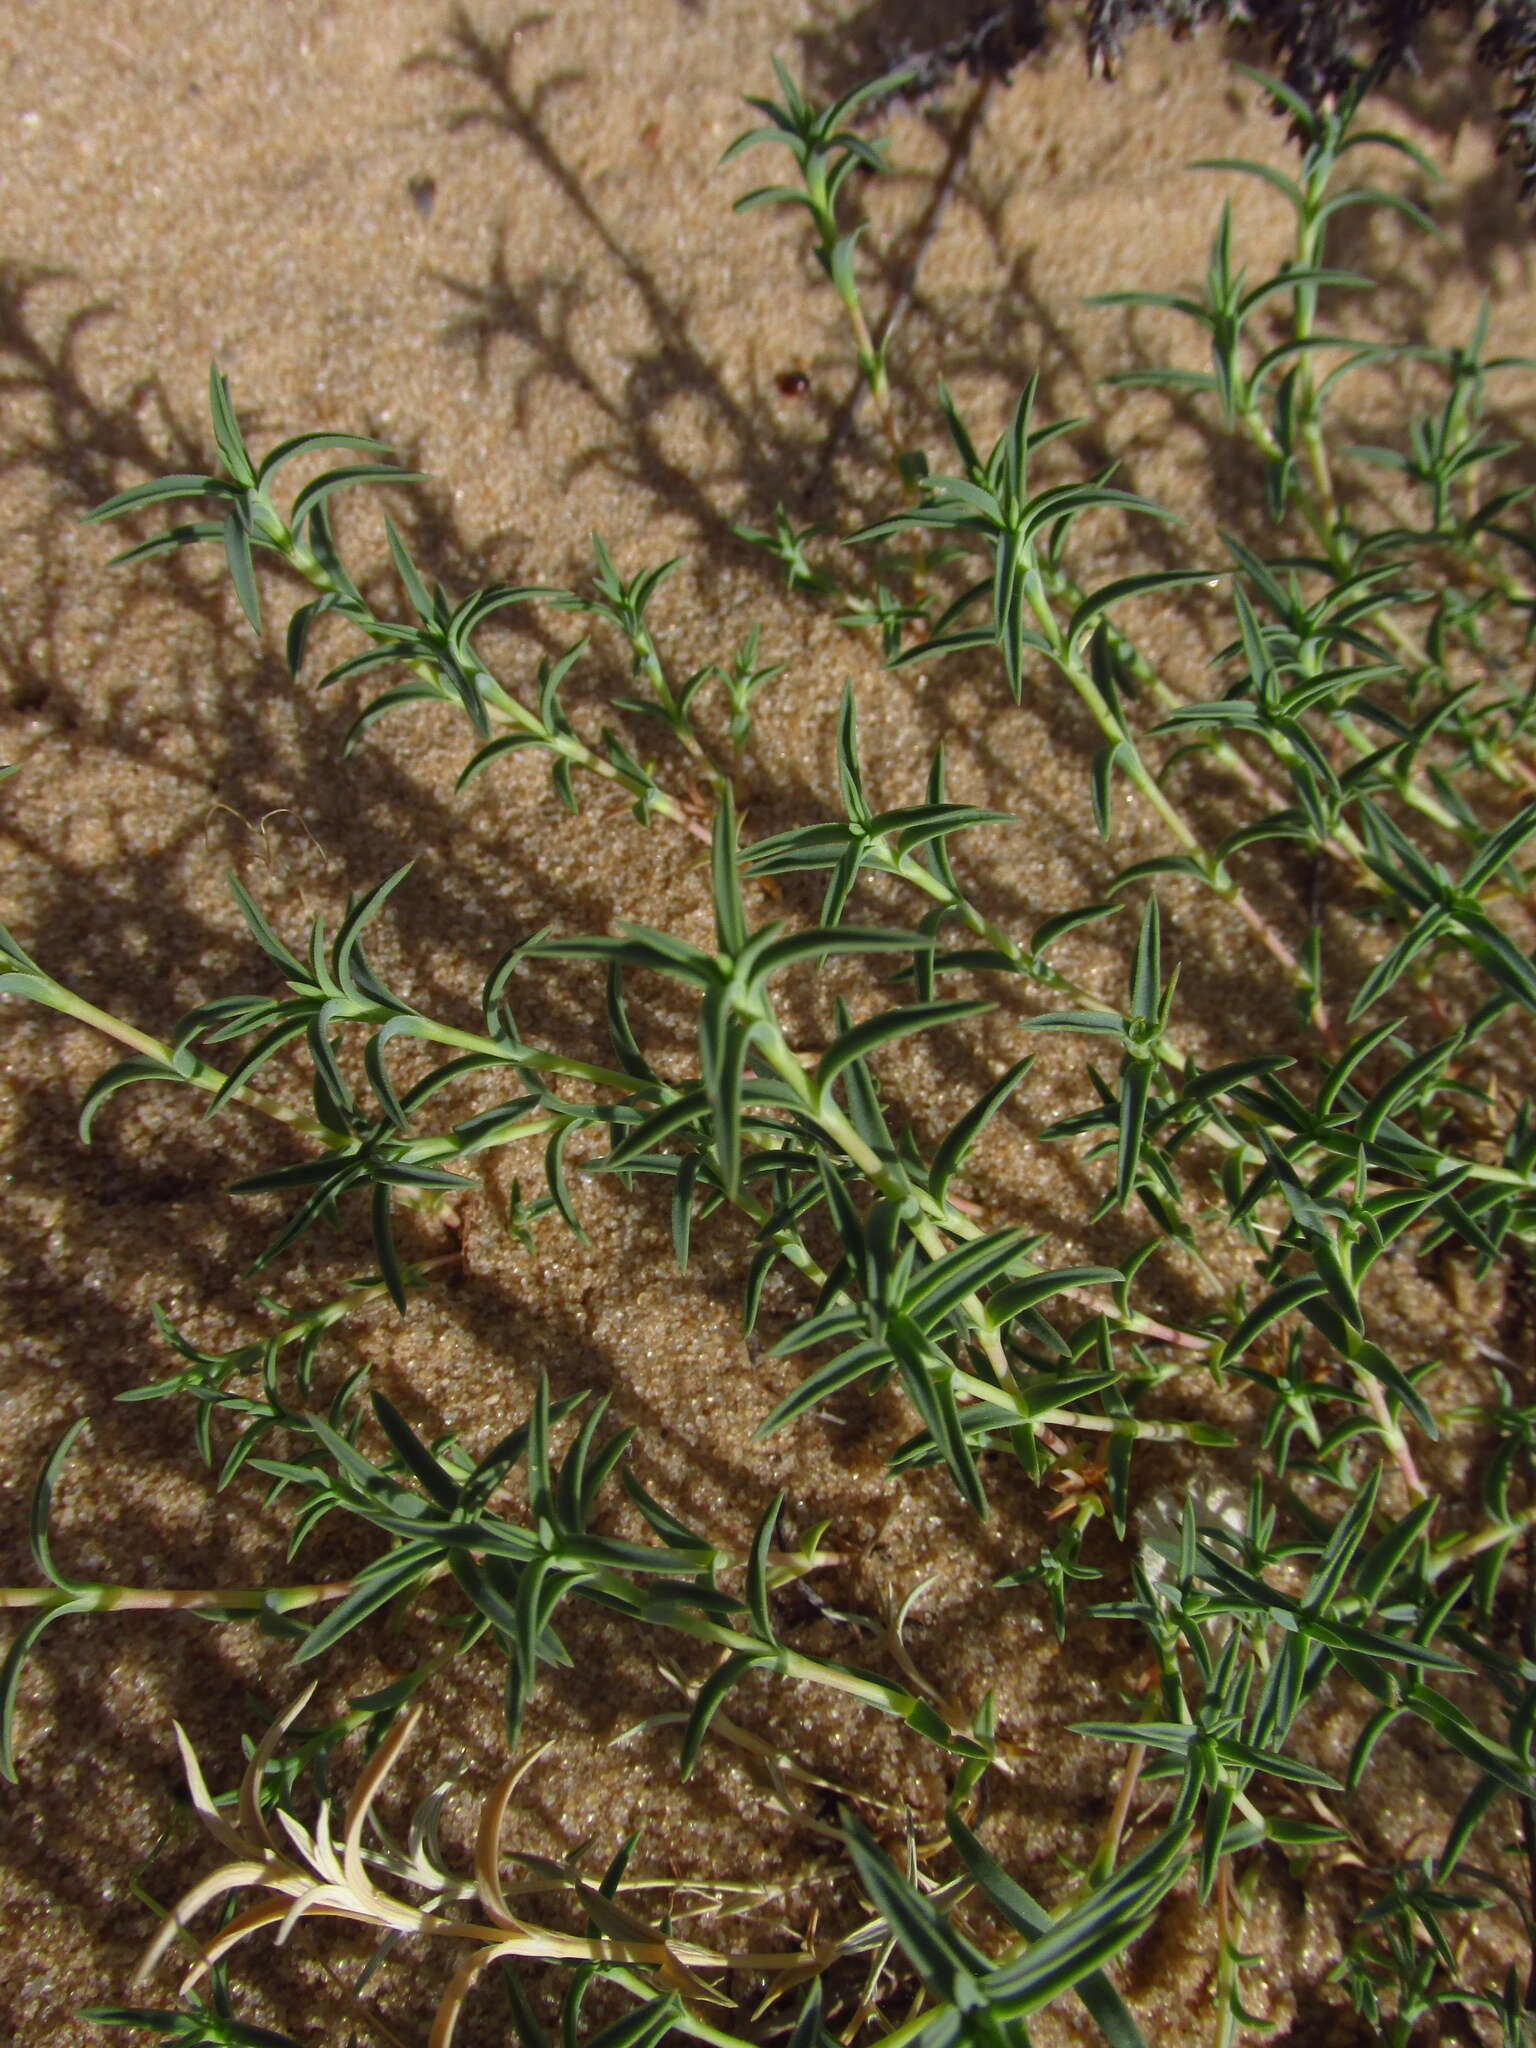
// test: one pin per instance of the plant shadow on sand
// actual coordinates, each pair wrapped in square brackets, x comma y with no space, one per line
[608,1315]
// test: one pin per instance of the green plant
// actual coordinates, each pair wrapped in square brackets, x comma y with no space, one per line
[1365,713]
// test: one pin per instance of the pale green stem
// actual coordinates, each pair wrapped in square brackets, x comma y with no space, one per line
[942,1217]
[1141,777]
[499,702]
[176,1599]
[200,1074]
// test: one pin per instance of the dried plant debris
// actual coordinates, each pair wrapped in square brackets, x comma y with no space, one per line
[1319,47]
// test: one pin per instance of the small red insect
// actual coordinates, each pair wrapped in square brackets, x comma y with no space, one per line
[793,383]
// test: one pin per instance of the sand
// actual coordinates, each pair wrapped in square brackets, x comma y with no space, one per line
[499,240]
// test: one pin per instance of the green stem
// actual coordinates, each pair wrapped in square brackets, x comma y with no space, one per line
[1113,730]
[500,704]
[941,1218]
[111,1599]
[199,1074]
[525,1056]
[1322,523]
